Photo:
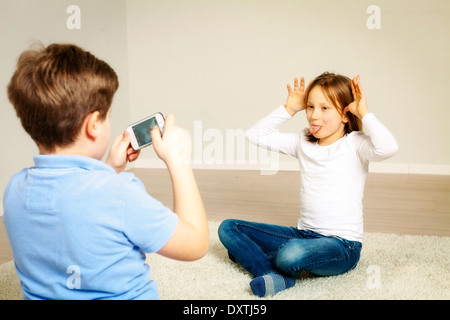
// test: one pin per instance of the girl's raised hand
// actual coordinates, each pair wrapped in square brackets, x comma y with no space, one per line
[359,105]
[296,98]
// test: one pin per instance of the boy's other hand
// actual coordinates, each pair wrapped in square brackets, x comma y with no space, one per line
[174,147]
[121,152]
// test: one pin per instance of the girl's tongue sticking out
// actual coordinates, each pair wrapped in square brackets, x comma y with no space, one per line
[314,129]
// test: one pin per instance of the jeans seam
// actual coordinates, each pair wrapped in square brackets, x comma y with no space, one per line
[331,260]
[348,252]
[255,227]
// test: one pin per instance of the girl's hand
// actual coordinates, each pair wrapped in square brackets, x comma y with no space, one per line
[359,106]
[296,98]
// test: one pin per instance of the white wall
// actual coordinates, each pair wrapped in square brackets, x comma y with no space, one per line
[22,22]
[226,63]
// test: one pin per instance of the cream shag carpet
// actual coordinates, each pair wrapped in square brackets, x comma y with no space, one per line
[391,267]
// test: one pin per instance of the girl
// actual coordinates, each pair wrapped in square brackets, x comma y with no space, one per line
[333,155]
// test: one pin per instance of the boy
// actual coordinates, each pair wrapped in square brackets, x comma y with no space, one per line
[78,227]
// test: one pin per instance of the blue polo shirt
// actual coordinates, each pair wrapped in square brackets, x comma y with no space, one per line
[79,230]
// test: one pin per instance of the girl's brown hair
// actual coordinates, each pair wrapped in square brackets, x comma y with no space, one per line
[338,91]
[53,90]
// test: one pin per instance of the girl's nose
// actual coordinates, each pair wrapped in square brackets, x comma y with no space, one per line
[315,115]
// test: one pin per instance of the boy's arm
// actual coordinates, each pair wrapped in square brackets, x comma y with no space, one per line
[190,240]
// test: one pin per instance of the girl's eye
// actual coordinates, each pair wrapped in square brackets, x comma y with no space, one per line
[324,108]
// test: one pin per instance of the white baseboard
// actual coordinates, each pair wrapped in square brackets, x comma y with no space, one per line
[378,167]
[158,164]
[411,168]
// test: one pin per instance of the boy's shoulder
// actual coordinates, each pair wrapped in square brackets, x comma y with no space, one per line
[72,168]
[71,179]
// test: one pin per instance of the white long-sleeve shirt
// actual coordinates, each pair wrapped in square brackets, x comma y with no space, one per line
[333,176]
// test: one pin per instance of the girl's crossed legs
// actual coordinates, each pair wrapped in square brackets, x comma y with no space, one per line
[274,254]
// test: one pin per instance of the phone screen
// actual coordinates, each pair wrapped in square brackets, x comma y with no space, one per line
[142,131]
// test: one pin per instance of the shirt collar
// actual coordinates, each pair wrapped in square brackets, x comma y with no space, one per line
[69,161]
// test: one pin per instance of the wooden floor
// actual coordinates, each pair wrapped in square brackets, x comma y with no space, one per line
[393,203]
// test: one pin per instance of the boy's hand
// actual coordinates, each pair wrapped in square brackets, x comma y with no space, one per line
[296,98]
[121,152]
[174,147]
[359,106]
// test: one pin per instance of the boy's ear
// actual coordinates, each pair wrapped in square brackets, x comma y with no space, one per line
[91,125]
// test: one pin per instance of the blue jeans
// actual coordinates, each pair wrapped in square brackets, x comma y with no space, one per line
[264,248]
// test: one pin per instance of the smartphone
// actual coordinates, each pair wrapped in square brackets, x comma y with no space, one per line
[140,131]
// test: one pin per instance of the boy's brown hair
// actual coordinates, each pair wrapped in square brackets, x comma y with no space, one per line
[53,90]
[338,90]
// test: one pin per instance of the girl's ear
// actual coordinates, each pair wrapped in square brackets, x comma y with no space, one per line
[345,118]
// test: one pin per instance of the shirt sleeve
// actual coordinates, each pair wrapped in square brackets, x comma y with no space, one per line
[380,143]
[147,222]
[265,133]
